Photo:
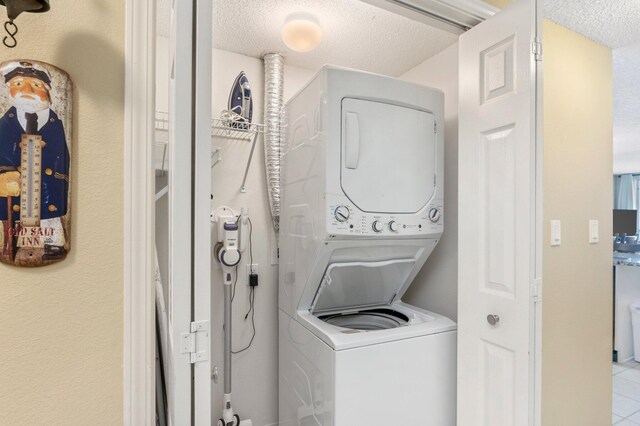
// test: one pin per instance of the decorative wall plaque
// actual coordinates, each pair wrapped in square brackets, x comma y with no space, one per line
[35,145]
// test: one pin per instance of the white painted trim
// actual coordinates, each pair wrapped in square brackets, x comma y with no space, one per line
[202,306]
[139,302]
[447,15]
[537,311]
[477,8]
[178,377]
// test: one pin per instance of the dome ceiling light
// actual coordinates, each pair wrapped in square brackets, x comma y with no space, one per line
[301,32]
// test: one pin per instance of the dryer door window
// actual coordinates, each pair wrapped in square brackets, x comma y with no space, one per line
[388,156]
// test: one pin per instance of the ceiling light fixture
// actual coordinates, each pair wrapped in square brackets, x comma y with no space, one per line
[301,32]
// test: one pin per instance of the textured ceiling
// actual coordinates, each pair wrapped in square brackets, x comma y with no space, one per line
[362,36]
[614,23]
[356,34]
[354,29]
[626,109]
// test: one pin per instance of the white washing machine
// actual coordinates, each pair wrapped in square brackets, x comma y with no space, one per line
[361,185]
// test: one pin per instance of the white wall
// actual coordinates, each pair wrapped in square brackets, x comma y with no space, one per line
[255,372]
[436,286]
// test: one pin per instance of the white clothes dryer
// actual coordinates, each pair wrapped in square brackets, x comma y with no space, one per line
[362,204]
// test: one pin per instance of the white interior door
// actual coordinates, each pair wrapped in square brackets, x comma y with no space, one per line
[202,383]
[188,283]
[178,372]
[497,220]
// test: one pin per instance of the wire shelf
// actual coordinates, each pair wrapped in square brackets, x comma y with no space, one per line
[220,129]
[235,130]
[240,131]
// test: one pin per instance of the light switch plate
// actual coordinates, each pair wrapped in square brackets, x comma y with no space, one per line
[556,233]
[594,232]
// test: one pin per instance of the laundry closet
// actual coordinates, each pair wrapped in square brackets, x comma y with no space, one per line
[462,70]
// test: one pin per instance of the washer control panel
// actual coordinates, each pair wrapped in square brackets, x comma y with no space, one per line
[343,219]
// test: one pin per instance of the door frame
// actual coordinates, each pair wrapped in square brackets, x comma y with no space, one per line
[139,191]
[536,321]
[201,182]
[139,218]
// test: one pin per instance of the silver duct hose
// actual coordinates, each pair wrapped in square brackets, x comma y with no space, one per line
[273,107]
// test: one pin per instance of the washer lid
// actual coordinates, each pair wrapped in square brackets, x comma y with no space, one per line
[360,284]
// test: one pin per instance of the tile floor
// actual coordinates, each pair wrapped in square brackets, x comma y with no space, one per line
[626,394]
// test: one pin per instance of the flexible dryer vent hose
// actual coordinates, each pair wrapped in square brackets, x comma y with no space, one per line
[273,137]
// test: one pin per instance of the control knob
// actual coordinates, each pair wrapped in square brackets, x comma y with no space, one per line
[393,226]
[342,213]
[434,214]
[376,226]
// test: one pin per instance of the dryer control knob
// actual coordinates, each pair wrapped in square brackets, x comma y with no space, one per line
[376,226]
[393,226]
[341,213]
[434,215]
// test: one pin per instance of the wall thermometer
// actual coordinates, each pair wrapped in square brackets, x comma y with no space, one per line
[30,179]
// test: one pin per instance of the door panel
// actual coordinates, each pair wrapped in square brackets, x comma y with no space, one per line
[497,219]
[497,205]
[376,138]
[498,364]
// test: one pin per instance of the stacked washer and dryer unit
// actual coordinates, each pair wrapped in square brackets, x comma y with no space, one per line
[362,197]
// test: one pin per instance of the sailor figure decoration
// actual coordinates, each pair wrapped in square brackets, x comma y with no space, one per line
[35,142]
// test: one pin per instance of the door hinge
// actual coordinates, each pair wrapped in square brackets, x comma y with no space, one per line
[536,49]
[435,127]
[536,290]
[196,343]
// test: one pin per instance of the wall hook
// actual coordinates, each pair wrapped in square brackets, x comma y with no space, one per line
[14,9]
[11,29]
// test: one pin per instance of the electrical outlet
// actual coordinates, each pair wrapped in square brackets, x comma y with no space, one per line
[252,269]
